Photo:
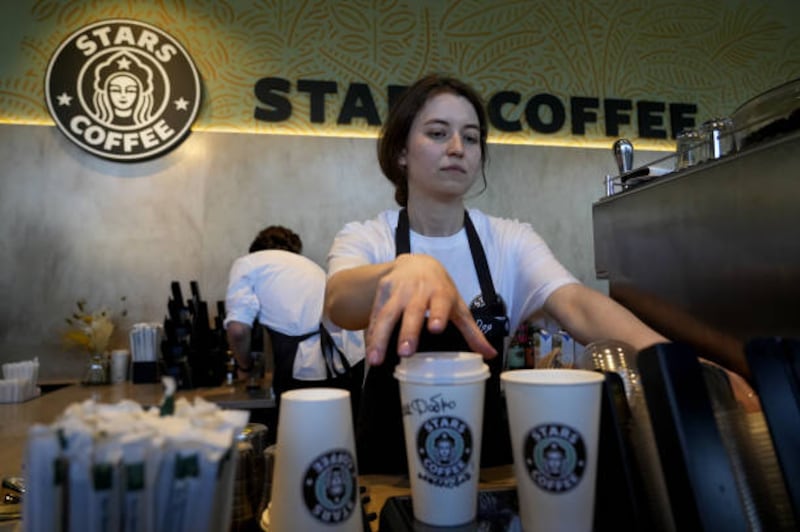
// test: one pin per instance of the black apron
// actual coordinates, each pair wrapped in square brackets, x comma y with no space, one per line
[380,444]
[284,349]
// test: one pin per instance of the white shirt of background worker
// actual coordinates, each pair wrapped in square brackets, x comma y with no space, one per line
[285,292]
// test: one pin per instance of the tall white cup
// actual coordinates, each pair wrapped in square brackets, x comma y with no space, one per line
[315,480]
[442,401]
[120,362]
[554,419]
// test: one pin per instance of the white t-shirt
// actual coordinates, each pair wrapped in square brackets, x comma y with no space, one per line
[524,270]
[285,291]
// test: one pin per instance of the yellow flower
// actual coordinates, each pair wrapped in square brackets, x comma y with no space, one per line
[90,330]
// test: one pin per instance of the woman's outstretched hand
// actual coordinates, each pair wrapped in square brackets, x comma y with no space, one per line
[415,288]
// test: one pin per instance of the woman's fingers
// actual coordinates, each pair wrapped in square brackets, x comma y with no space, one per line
[473,335]
[743,393]
[417,288]
[413,318]
[446,307]
[407,308]
[381,323]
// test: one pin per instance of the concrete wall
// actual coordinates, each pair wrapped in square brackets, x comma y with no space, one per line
[74,226]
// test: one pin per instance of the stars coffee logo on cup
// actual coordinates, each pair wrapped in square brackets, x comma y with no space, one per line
[444,447]
[123,90]
[555,457]
[329,486]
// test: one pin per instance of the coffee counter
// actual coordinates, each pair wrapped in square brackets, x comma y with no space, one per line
[18,417]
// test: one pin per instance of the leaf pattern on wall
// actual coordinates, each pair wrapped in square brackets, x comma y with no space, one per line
[716,53]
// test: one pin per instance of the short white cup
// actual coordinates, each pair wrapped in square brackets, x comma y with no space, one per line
[315,480]
[442,402]
[120,363]
[554,419]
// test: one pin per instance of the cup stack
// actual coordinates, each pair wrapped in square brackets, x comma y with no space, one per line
[315,483]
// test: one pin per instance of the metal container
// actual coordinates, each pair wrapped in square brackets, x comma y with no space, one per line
[717,138]
[249,483]
[689,149]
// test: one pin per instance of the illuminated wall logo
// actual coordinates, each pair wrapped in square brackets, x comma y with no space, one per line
[123,90]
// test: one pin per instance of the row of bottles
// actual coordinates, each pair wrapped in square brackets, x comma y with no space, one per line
[533,346]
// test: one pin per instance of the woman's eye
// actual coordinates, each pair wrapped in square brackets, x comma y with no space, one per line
[437,134]
[472,139]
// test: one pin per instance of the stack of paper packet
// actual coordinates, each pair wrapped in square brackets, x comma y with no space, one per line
[123,467]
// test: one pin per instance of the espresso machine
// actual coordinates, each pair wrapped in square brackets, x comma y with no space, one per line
[708,254]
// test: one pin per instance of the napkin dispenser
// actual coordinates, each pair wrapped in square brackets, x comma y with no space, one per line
[19,381]
[145,339]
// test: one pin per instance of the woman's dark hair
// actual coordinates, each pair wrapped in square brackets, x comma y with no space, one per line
[394,134]
[277,237]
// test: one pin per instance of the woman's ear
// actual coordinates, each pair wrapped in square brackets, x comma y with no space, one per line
[401,159]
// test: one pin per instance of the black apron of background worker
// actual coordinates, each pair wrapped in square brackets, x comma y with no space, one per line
[379,431]
[343,375]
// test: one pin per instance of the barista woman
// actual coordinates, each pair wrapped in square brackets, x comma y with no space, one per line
[437,276]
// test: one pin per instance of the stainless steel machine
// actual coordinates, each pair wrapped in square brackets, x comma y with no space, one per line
[709,255]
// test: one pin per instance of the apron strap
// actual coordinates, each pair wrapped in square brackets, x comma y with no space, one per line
[286,347]
[290,338]
[402,234]
[284,351]
[481,265]
[331,350]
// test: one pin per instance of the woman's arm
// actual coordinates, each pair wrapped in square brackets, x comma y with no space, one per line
[589,316]
[413,287]
[349,295]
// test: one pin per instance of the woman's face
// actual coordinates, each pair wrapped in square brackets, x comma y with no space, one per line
[123,91]
[443,151]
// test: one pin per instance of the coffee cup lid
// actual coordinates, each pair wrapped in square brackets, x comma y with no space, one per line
[442,368]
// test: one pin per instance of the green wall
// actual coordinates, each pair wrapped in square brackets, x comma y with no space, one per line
[714,53]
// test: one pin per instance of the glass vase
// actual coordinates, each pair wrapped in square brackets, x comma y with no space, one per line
[96,369]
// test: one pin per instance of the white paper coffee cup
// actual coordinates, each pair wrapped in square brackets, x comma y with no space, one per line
[442,401]
[120,362]
[315,480]
[554,418]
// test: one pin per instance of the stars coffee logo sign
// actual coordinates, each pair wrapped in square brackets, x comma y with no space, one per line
[123,90]
[555,457]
